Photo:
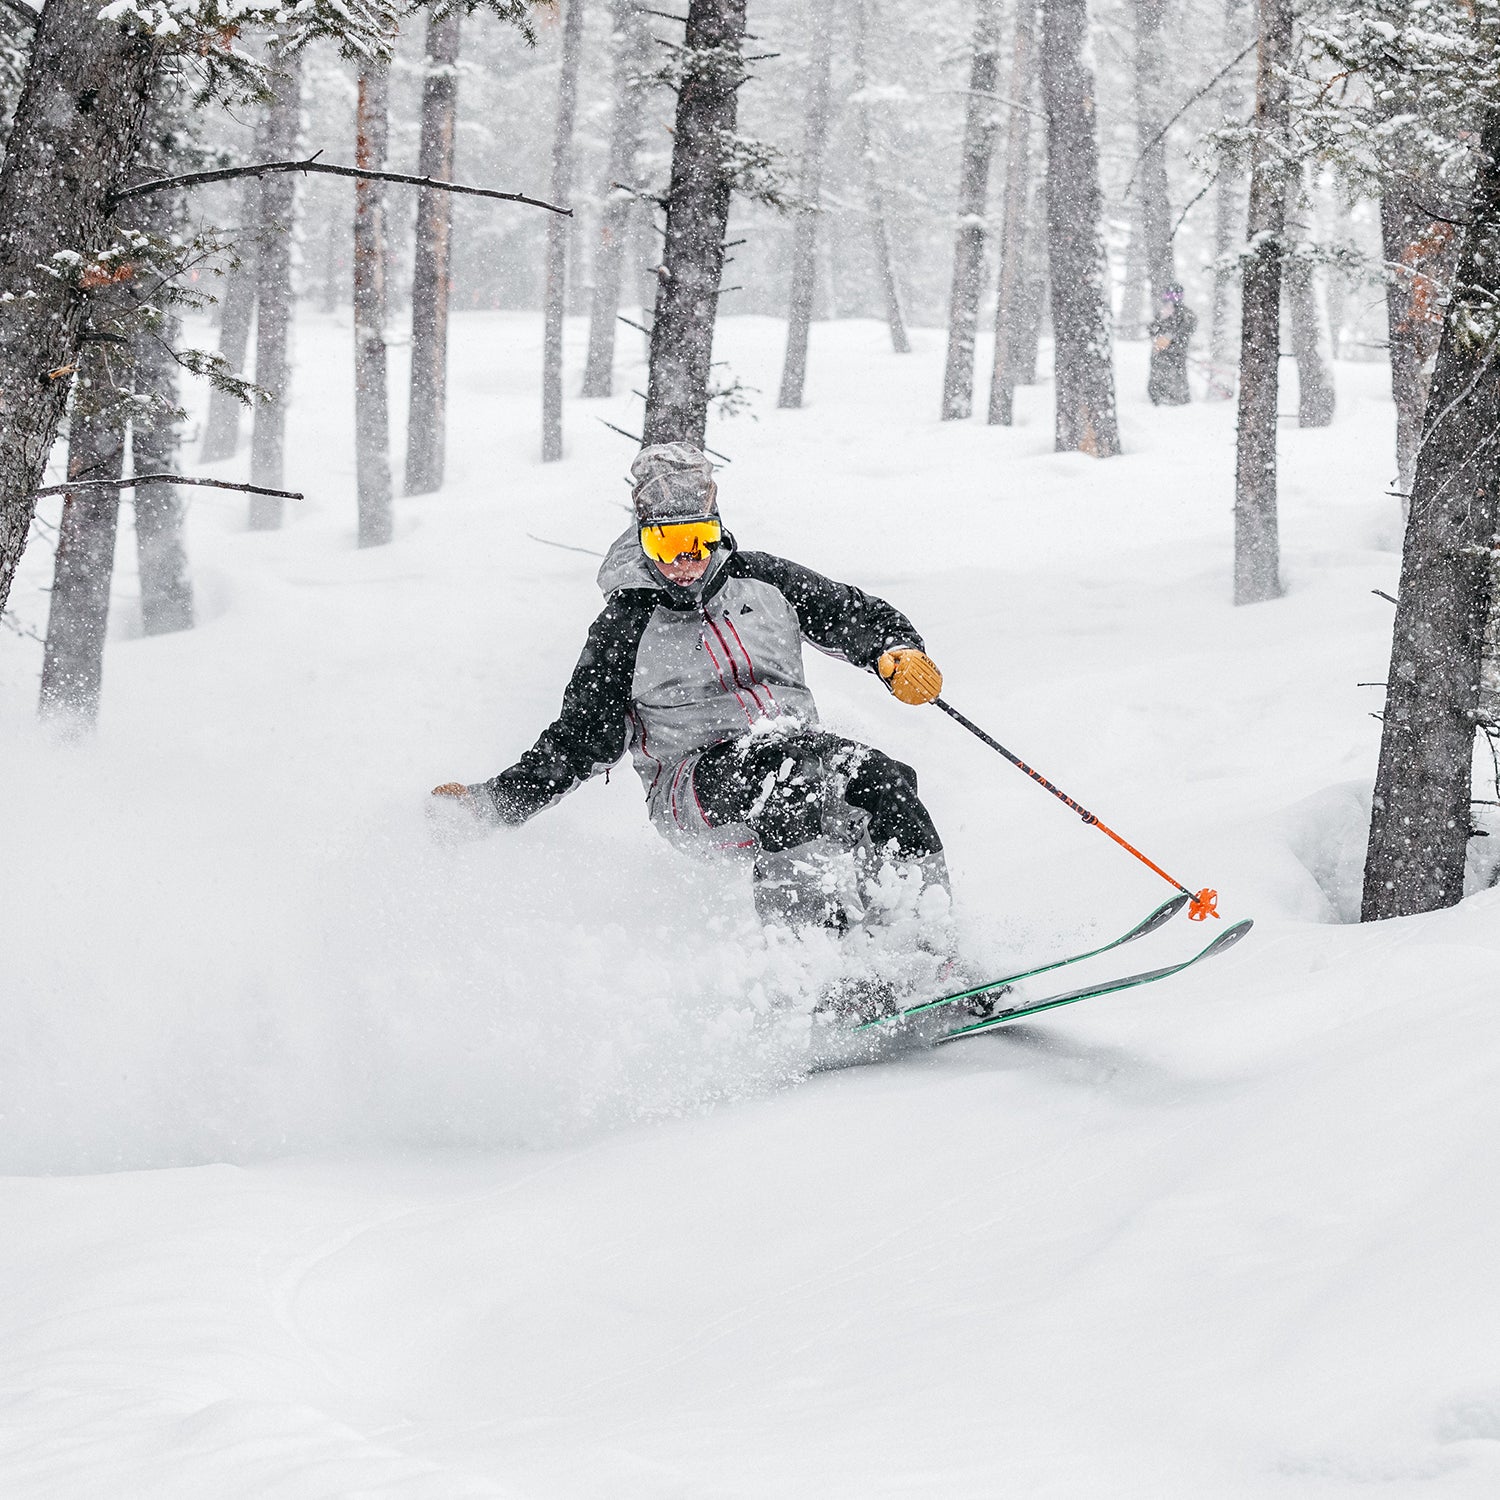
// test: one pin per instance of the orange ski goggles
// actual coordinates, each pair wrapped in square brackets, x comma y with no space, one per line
[666,543]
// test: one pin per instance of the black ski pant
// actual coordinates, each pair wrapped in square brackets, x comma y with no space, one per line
[788,790]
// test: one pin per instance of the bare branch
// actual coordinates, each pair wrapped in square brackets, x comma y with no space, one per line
[330,169]
[131,480]
[1218,78]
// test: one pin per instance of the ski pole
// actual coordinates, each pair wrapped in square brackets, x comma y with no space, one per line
[1204,903]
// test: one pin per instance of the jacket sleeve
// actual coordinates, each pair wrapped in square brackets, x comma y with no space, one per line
[835,617]
[589,734]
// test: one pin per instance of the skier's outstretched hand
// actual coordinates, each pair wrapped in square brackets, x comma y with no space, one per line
[454,816]
[910,674]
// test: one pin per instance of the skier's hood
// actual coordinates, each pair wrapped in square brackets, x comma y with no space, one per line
[625,566]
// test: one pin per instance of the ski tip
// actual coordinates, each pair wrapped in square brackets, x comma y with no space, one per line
[1230,936]
[1163,913]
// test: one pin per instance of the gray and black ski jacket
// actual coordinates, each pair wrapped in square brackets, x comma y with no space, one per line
[673,677]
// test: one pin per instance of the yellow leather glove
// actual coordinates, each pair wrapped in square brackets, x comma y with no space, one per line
[451,789]
[910,674]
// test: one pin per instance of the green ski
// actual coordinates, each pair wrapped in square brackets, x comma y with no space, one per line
[1225,940]
[1163,914]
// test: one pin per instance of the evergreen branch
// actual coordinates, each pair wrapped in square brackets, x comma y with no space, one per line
[331,169]
[131,480]
[21,9]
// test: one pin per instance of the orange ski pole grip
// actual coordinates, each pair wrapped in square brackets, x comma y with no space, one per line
[1204,903]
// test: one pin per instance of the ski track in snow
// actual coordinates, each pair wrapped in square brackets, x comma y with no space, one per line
[348,1162]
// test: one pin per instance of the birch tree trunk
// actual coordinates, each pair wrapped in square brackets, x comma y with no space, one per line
[980,123]
[61,165]
[427,410]
[805,230]
[73,663]
[1257,547]
[682,329]
[1420,825]
[372,427]
[632,49]
[221,431]
[1315,395]
[1084,379]
[1229,211]
[1010,291]
[273,320]
[1168,380]
[558,229]
[880,234]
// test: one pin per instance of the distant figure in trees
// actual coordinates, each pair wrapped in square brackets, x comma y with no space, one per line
[696,660]
[1171,336]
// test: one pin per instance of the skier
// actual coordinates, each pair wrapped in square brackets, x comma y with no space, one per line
[1171,333]
[697,659]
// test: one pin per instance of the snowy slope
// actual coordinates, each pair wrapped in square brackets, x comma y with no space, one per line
[410,1170]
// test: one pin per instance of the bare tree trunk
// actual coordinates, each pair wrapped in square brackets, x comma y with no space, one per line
[273,318]
[1133,318]
[557,233]
[880,234]
[221,432]
[427,411]
[1010,292]
[805,231]
[1084,380]
[1257,546]
[682,330]
[62,163]
[1315,396]
[1032,310]
[980,123]
[1229,210]
[1171,323]
[156,430]
[73,665]
[632,47]
[1421,817]
[372,426]
[161,553]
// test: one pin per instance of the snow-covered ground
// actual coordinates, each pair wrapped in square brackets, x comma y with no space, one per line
[346,1163]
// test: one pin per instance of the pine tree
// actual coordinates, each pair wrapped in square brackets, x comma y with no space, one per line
[427,410]
[1010,294]
[804,279]
[372,428]
[632,44]
[1257,547]
[555,296]
[78,617]
[274,299]
[980,122]
[61,167]
[1084,379]
[704,147]
[880,231]
[1421,821]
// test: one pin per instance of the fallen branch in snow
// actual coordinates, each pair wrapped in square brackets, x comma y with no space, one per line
[329,169]
[130,480]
